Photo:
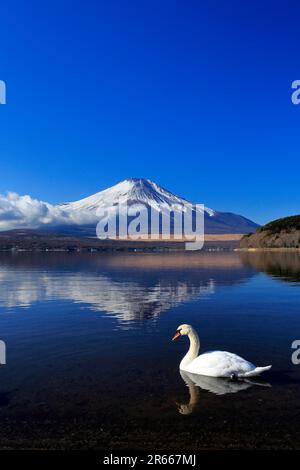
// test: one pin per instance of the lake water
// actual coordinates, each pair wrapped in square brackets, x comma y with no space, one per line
[91,364]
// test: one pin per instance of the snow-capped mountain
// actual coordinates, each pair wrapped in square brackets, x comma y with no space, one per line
[138,190]
[130,191]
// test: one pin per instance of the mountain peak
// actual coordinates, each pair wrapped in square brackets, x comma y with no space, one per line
[144,191]
[129,191]
[137,180]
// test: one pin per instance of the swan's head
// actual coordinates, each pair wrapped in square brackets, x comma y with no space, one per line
[182,330]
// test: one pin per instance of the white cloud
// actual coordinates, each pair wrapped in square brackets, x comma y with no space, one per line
[25,212]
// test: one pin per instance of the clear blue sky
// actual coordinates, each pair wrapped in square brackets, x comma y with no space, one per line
[192,94]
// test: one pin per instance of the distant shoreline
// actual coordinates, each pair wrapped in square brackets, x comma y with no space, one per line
[39,241]
[286,249]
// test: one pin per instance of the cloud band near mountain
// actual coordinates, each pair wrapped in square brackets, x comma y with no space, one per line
[25,212]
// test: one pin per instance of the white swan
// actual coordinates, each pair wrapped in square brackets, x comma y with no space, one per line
[214,363]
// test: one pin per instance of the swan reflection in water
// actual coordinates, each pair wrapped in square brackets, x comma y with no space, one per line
[216,385]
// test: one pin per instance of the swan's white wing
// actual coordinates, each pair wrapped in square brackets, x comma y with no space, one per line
[219,364]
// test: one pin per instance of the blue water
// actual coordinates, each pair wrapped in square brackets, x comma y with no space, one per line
[91,364]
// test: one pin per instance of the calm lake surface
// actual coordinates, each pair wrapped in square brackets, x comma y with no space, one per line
[91,364]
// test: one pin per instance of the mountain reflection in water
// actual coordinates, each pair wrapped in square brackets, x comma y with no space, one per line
[132,287]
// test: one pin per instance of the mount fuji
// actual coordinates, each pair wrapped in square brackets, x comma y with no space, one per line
[144,191]
[80,218]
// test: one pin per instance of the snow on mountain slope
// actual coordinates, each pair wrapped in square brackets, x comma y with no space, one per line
[139,190]
[18,212]
[130,191]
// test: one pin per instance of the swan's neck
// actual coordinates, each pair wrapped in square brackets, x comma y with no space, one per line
[193,349]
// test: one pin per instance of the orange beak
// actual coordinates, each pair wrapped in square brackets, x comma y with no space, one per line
[177,335]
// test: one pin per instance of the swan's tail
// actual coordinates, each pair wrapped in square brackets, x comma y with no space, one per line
[257,371]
